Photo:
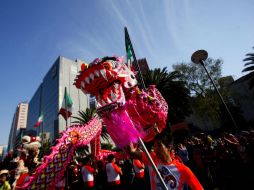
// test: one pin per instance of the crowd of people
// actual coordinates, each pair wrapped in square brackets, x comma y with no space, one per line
[225,162]
[198,162]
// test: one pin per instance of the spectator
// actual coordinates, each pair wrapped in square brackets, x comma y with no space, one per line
[183,153]
[88,172]
[72,176]
[4,184]
[139,180]
[113,172]
[101,177]
[128,175]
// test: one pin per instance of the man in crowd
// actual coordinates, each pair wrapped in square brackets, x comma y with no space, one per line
[88,172]
[113,172]
[139,168]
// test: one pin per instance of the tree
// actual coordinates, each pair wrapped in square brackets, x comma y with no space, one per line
[249,68]
[106,146]
[45,148]
[85,116]
[237,114]
[81,152]
[196,79]
[206,103]
[204,100]
[173,90]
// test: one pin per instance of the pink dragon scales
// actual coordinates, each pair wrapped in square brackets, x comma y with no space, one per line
[52,169]
[127,111]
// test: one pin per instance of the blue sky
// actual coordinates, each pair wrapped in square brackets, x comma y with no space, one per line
[34,33]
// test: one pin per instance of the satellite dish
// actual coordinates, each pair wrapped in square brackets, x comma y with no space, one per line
[199,56]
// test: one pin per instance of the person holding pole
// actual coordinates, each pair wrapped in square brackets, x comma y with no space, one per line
[174,173]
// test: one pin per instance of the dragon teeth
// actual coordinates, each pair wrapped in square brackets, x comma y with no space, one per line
[122,75]
[121,89]
[103,73]
[103,102]
[97,74]
[116,85]
[113,96]
[87,80]
[98,105]
[108,100]
[116,88]
[83,84]
[92,76]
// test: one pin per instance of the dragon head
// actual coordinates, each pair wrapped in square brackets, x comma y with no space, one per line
[107,79]
[30,142]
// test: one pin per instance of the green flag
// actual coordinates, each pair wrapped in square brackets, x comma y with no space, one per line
[66,109]
[39,121]
[129,52]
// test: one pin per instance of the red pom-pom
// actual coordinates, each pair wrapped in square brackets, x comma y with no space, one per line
[33,139]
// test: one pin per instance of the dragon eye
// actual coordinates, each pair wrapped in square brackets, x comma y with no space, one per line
[107,65]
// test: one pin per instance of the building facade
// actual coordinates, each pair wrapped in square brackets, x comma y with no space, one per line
[49,96]
[19,123]
[3,152]
[239,95]
[244,97]
[143,64]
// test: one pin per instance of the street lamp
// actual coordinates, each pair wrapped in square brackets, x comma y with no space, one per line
[198,57]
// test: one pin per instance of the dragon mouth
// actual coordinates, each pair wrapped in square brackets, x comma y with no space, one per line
[103,84]
[106,80]
[110,97]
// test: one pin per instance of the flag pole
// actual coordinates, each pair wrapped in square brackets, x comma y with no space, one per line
[65,102]
[140,78]
[95,146]
[40,113]
[42,132]
[135,62]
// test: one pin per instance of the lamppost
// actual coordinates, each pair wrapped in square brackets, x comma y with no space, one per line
[198,57]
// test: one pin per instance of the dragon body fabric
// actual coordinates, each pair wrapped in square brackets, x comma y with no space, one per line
[52,169]
[127,111]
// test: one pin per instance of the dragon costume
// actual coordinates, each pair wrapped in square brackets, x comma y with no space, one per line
[127,111]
